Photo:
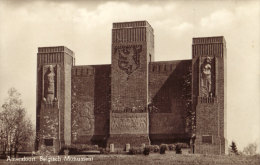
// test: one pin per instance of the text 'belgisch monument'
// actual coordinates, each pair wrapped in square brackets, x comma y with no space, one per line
[134,100]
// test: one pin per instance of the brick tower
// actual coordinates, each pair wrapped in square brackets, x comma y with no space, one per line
[132,50]
[209,94]
[53,103]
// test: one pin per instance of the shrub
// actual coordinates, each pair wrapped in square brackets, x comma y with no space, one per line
[135,150]
[156,148]
[183,145]
[103,151]
[146,151]
[150,147]
[163,148]
[171,147]
[73,151]
[76,149]
[153,148]
[132,151]
[178,149]
[86,147]
[95,147]
[166,145]
[61,152]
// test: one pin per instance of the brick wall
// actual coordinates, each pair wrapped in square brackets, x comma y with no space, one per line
[132,46]
[49,127]
[102,103]
[167,110]
[90,104]
[82,106]
[129,90]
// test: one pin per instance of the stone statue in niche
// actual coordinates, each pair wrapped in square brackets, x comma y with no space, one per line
[206,78]
[50,80]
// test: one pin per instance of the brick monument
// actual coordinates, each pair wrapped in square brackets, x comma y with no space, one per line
[209,94]
[134,100]
[53,120]
[132,50]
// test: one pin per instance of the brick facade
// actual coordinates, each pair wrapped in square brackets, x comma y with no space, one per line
[210,110]
[61,60]
[133,100]
[167,108]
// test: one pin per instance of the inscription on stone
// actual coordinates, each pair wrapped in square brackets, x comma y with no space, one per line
[207,139]
[48,142]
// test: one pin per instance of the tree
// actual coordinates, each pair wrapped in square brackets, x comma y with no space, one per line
[178,149]
[250,149]
[16,129]
[233,147]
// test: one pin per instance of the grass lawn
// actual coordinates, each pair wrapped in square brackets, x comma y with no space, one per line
[154,158]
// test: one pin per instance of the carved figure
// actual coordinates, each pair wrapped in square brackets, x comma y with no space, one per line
[129,58]
[206,78]
[129,124]
[50,85]
[82,117]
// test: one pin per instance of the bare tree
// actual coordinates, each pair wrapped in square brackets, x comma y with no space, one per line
[250,149]
[16,129]
[22,134]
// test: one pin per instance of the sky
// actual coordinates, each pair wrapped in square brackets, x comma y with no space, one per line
[85,27]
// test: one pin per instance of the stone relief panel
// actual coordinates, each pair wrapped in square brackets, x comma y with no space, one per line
[207,77]
[129,124]
[128,57]
[130,110]
[82,119]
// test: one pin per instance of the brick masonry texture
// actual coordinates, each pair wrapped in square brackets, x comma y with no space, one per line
[210,115]
[90,104]
[167,112]
[132,48]
[134,99]
[49,127]
[61,58]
